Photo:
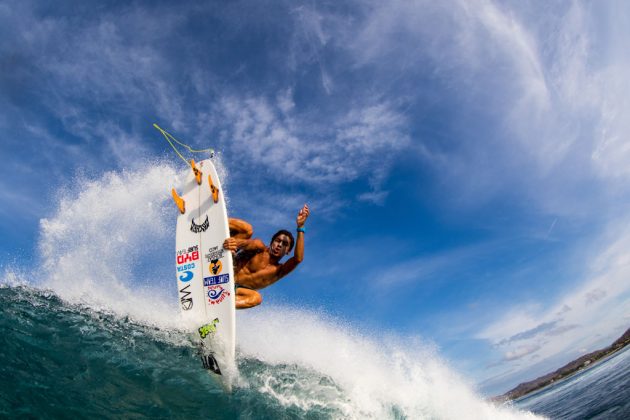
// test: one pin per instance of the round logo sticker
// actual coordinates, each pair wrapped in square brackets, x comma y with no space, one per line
[187,276]
[215,267]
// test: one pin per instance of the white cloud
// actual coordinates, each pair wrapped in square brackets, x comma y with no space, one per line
[361,142]
[376,197]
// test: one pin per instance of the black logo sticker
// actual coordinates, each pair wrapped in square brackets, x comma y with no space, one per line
[199,228]
[185,299]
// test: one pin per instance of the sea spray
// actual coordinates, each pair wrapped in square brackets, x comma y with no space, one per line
[109,244]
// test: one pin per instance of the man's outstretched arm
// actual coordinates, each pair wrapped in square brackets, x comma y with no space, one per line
[298,254]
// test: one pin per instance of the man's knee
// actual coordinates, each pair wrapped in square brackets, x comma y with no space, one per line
[256,299]
[248,300]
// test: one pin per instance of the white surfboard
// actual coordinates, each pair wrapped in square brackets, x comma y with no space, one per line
[205,275]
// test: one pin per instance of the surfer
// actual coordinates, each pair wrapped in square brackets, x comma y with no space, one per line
[256,265]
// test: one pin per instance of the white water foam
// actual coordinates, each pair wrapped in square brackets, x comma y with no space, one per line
[379,374]
[110,246]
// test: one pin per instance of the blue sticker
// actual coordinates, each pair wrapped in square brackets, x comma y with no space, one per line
[211,281]
[216,293]
[187,276]
[186,267]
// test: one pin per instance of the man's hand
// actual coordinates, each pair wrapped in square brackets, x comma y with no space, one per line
[302,216]
[230,244]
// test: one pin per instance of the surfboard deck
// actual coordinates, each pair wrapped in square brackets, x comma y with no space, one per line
[205,275]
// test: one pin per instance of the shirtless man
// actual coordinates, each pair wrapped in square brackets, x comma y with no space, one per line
[257,266]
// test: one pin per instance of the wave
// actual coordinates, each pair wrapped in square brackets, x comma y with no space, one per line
[94,329]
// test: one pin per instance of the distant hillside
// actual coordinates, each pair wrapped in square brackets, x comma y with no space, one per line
[566,370]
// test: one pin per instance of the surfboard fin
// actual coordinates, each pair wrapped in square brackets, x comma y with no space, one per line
[196,171]
[215,190]
[210,363]
[181,204]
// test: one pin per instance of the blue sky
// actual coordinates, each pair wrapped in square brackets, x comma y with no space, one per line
[466,162]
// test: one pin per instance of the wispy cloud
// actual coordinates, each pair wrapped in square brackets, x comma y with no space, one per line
[100,59]
[361,142]
[529,333]
[427,268]
[92,77]
[307,41]
[552,116]
[520,352]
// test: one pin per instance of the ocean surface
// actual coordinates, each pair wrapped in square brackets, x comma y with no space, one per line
[64,360]
[91,329]
[600,392]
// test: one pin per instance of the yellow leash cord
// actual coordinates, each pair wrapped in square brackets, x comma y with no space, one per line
[170,139]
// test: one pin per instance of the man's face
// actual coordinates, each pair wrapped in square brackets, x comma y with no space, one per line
[280,246]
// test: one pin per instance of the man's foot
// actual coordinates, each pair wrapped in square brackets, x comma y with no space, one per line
[196,171]
[215,190]
[181,204]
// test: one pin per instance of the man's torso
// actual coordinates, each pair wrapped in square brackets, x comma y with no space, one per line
[255,270]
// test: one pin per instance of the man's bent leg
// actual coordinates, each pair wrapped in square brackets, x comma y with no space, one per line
[247,298]
[240,229]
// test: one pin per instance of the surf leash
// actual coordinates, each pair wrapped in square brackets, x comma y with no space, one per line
[179,201]
[170,139]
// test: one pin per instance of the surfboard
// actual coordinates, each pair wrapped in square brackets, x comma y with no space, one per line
[205,275]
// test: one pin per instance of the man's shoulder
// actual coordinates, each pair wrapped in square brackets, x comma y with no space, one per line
[259,244]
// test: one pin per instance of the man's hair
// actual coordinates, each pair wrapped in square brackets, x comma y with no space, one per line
[284,232]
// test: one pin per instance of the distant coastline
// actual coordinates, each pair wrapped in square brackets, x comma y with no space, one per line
[565,371]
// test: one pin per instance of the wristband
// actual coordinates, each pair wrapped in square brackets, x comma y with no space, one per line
[301,229]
